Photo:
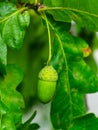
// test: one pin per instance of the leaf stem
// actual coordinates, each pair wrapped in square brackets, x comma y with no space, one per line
[68,9]
[13,14]
[49,38]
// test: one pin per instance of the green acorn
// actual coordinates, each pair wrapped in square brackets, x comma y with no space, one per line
[47,83]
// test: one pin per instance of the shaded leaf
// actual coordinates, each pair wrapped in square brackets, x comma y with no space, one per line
[79,11]
[70,54]
[73,46]
[66,104]
[34,126]
[10,98]
[67,59]
[13,25]
[28,125]
[86,122]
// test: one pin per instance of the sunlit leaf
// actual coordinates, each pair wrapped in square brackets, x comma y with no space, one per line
[14,28]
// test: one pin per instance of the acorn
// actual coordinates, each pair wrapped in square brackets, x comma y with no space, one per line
[47,83]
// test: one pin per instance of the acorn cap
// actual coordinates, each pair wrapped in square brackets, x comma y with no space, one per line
[48,73]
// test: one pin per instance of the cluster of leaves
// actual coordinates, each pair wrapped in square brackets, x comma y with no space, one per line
[13,24]
[76,78]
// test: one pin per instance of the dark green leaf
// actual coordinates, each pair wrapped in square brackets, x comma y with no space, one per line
[28,125]
[87,122]
[13,25]
[79,11]
[73,46]
[65,26]
[10,98]
[66,104]
[70,54]
[61,106]
[34,126]
[67,59]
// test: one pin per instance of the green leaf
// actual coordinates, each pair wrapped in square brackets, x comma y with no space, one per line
[3,52]
[70,54]
[33,126]
[61,105]
[75,78]
[3,108]
[78,103]
[65,26]
[7,123]
[6,9]
[14,1]
[82,78]
[13,31]
[10,98]
[73,46]
[28,125]
[13,24]
[66,104]
[87,122]
[79,11]
[3,56]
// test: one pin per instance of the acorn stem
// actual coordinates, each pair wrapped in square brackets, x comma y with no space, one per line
[49,38]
